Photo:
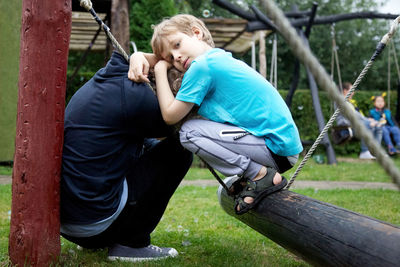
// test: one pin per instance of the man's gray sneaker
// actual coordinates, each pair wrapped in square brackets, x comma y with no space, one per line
[123,253]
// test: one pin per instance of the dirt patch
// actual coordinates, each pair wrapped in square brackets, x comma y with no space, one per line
[354,160]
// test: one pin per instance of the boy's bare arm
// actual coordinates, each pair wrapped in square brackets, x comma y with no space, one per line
[139,65]
[172,110]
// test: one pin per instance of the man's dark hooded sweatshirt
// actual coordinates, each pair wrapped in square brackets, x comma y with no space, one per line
[106,123]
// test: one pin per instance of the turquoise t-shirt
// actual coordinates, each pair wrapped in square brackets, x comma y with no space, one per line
[228,91]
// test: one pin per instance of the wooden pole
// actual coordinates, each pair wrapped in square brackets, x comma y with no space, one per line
[35,227]
[320,233]
[120,22]
[261,54]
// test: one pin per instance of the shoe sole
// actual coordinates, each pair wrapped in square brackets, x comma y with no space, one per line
[116,258]
[130,259]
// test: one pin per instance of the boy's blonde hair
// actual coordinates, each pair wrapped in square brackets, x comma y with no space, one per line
[178,23]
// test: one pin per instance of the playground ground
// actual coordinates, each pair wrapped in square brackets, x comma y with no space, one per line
[299,183]
[205,235]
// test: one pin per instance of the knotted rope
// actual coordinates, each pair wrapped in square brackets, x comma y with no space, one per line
[87,4]
[304,54]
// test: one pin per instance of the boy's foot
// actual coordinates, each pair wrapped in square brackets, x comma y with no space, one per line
[366,155]
[255,190]
[124,253]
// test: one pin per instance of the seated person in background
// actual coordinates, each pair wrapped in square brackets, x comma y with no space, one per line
[369,123]
[383,116]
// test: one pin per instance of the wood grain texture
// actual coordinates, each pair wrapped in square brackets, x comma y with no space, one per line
[320,233]
[34,232]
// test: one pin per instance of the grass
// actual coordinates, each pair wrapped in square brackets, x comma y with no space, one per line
[350,170]
[205,235]
[5,170]
[346,171]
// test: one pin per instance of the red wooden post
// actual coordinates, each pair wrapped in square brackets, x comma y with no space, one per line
[34,231]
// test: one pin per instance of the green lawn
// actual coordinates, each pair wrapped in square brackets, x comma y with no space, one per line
[4,170]
[205,235]
[349,170]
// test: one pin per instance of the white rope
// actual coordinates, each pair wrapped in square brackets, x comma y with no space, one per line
[309,60]
[388,80]
[388,36]
[335,58]
[395,60]
[86,4]
[273,77]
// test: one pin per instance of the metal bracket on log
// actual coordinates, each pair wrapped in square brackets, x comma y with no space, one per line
[320,233]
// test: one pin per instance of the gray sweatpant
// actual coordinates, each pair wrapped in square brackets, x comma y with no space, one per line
[216,144]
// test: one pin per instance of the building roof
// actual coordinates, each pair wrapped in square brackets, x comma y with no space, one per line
[228,34]
[231,35]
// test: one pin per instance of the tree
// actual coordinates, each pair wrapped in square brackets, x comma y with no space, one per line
[356,40]
[144,14]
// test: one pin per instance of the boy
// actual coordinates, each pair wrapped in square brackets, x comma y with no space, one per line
[249,130]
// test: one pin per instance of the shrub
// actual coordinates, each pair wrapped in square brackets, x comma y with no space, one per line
[303,114]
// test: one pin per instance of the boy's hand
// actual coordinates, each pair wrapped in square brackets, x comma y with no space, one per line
[138,68]
[162,65]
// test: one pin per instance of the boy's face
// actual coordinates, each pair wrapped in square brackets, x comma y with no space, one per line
[181,49]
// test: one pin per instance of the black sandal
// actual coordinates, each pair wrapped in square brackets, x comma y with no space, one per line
[257,190]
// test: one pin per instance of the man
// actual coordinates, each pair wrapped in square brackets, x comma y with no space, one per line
[116,178]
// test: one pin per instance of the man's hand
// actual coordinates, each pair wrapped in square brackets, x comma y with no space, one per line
[139,65]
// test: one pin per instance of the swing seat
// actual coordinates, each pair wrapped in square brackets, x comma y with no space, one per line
[342,134]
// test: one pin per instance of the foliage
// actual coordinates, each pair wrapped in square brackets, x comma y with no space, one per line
[303,114]
[145,13]
[196,8]
[74,84]
[356,41]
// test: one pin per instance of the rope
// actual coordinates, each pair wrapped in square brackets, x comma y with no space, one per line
[336,57]
[395,60]
[273,77]
[87,4]
[388,80]
[323,79]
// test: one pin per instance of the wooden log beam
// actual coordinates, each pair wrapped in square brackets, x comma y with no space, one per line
[35,224]
[320,233]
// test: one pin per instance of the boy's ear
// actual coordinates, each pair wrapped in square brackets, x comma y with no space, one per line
[197,32]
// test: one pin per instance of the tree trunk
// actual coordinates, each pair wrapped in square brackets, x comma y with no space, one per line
[35,226]
[120,22]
